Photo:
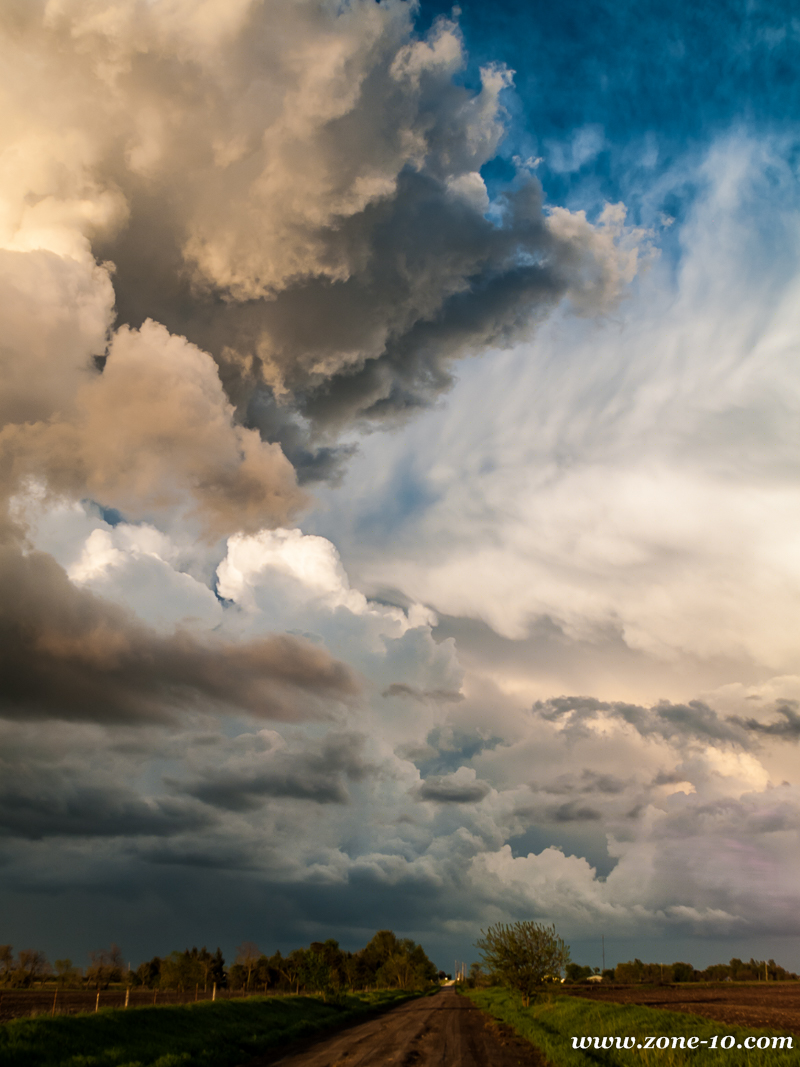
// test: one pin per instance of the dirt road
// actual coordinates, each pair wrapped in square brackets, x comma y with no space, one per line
[444,1030]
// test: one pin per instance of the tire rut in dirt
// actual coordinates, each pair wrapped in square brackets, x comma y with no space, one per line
[445,1030]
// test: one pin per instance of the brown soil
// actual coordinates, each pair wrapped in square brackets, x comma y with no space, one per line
[764,1005]
[445,1030]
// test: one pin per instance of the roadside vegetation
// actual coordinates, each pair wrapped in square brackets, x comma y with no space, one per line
[523,956]
[221,1034]
[553,1019]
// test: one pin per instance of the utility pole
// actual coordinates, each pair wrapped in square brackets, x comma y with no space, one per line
[604,950]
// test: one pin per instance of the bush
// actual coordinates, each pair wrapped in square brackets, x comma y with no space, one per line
[523,956]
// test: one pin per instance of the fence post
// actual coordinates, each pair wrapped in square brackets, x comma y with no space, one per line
[127,995]
[97,1002]
[54,1002]
[214,992]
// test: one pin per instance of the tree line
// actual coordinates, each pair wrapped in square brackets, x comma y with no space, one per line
[387,961]
[734,971]
[528,956]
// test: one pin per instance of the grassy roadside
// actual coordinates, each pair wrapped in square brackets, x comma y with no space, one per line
[221,1034]
[551,1023]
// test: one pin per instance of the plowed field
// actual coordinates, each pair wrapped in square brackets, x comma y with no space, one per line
[768,1005]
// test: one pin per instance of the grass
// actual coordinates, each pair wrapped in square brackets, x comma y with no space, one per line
[552,1021]
[220,1034]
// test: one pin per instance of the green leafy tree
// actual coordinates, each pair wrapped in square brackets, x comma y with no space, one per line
[390,961]
[523,955]
[315,974]
[575,973]
[181,970]
[148,974]
[477,978]
[216,970]
[335,959]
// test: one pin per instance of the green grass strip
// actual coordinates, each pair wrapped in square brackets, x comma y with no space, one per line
[221,1034]
[551,1022]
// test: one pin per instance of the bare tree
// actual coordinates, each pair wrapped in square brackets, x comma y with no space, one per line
[66,974]
[247,956]
[31,964]
[106,967]
[6,963]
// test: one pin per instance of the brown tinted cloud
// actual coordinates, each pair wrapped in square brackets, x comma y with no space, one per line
[229,228]
[66,654]
[294,187]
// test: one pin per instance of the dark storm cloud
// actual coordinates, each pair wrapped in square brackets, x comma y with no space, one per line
[319,773]
[313,462]
[694,720]
[209,854]
[58,807]
[66,654]
[448,748]
[573,812]
[436,280]
[787,727]
[588,782]
[441,281]
[320,228]
[446,789]
[343,258]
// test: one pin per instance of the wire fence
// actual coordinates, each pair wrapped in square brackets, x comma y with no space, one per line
[19,1003]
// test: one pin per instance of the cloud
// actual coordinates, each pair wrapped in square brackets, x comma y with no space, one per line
[67,654]
[588,781]
[155,432]
[604,504]
[268,768]
[311,562]
[572,812]
[401,689]
[787,727]
[56,312]
[81,810]
[693,721]
[306,205]
[462,787]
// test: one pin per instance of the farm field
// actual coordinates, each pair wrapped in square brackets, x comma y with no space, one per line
[768,1005]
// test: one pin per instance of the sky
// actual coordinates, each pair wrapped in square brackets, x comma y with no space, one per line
[399,466]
